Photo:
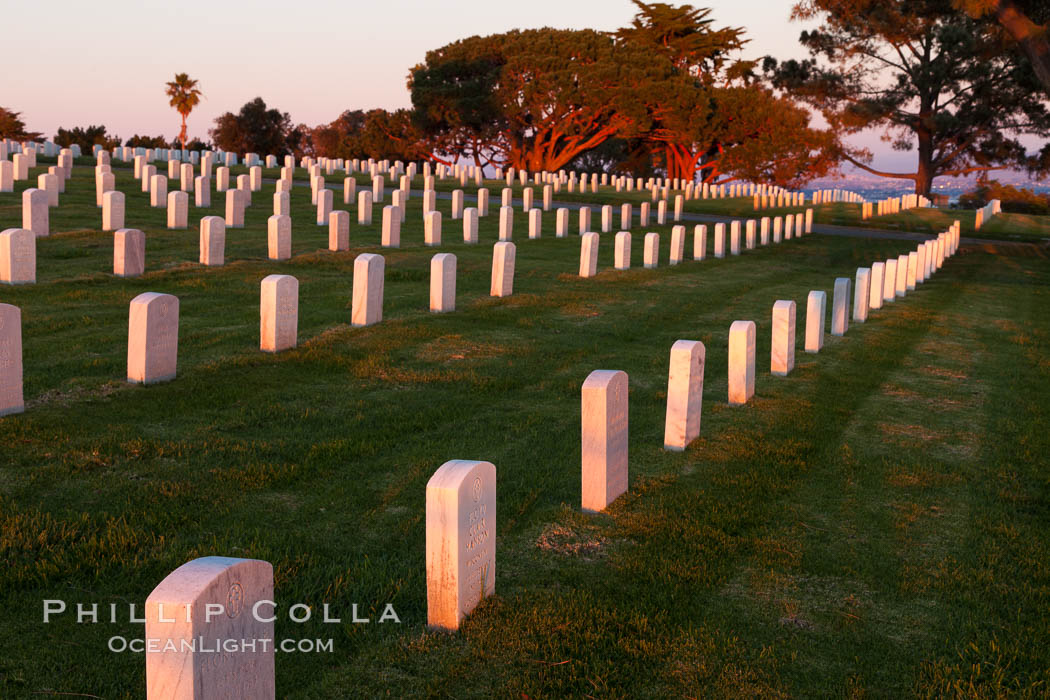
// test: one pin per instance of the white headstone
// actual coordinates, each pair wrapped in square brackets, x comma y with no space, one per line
[561,223]
[651,252]
[741,362]
[432,228]
[685,388]
[112,210]
[186,177]
[699,242]
[222,178]
[153,338]
[535,223]
[367,304]
[603,438]
[338,230]
[622,259]
[816,307]
[889,281]
[49,183]
[585,219]
[860,295]
[194,612]
[7,176]
[129,252]
[21,166]
[202,191]
[457,204]
[588,254]
[178,209]
[443,283]
[391,234]
[720,240]
[234,209]
[17,256]
[34,212]
[506,223]
[503,255]
[840,307]
[782,353]
[875,291]
[364,208]
[378,185]
[279,237]
[212,241]
[11,397]
[460,540]
[158,191]
[470,225]
[324,206]
[278,313]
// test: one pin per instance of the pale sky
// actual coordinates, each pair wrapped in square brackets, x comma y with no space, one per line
[75,63]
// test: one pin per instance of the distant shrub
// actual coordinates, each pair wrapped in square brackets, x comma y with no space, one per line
[86,137]
[137,141]
[1018,201]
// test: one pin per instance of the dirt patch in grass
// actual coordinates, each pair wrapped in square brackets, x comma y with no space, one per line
[327,337]
[914,432]
[583,542]
[390,373]
[581,310]
[908,396]
[946,373]
[68,396]
[921,478]
[456,348]
[899,392]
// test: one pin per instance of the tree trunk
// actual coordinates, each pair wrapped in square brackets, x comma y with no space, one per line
[924,170]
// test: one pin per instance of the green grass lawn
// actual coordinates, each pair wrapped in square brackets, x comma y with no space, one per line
[933,220]
[876,523]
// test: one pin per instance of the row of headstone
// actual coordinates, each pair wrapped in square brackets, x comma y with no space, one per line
[154,318]
[778,201]
[986,212]
[752,234]
[833,196]
[892,205]
[885,281]
[882,282]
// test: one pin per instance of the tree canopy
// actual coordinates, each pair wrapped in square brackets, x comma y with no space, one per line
[532,99]
[86,137]
[185,95]
[12,126]
[256,128]
[1026,22]
[926,75]
[376,133]
[664,94]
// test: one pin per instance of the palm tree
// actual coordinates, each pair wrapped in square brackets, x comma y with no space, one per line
[184,96]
